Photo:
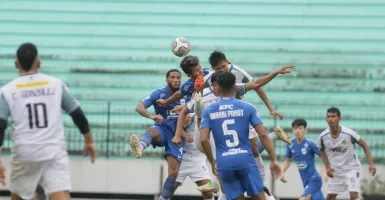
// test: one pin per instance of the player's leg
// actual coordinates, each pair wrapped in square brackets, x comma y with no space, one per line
[168,185]
[151,136]
[354,184]
[231,184]
[21,173]
[337,185]
[277,134]
[207,195]
[252,182]
[200,175]
[56,178]
[312,190]
[40,193]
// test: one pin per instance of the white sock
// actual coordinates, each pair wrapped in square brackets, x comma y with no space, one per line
[261,167]
[222,196]
[273,136]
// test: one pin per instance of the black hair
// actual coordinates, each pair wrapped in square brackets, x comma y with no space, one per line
[216,57]
[26,55]
[299,122]
[334,110]
[214,77]
[172,70]
[226,80]
[188,63]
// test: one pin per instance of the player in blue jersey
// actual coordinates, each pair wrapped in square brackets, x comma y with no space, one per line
[229,120]
[303,150]
[192,68]
[163,131]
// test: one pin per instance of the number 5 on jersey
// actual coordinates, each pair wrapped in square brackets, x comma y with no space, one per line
[233,133]
[35,111]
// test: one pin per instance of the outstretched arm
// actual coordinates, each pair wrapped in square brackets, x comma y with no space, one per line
[252,85]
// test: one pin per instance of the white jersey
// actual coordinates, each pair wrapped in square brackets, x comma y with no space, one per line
[35,102]
[241,75]
[191,153]
[340,151]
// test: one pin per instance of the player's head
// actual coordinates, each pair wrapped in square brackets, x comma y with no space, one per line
[191,67]
[27,58]
[214,83]
[226,83]
[173,79]
[333,117]
[299,128]
[218,62]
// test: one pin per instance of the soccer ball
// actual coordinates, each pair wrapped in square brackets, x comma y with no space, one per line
[180,46]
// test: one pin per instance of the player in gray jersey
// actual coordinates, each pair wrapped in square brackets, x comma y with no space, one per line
[341,162]
[35,102]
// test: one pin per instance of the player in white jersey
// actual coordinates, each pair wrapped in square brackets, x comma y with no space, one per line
[341,162]
[194,161]
[39,155]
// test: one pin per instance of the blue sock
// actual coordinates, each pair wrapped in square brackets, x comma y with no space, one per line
[145,139]
[168,187]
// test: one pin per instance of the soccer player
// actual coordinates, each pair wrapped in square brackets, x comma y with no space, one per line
[303,150]
[341,162]
[229,119]
[163,130]
[39,156]
[194,161]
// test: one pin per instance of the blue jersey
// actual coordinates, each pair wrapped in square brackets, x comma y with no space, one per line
[229,121]
[187,88]
[304,157]
[169,118]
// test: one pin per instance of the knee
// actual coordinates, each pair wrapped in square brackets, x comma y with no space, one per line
[207,195]
[173,172]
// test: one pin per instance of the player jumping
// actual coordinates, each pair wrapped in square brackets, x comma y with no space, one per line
[39,155]
[163,131]
[303,150]
[341,162]
[229,119]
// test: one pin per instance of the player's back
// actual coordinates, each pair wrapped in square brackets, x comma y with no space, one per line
[304,157]
[35,103]
[229,122]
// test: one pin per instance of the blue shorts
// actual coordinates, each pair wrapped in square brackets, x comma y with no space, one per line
[313,187]
[237,182]
[170,148]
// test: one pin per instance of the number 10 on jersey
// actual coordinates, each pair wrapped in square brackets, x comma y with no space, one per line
[34,112]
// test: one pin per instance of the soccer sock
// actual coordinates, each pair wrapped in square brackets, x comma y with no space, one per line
[272,137]
[168,187]
[222,196]
[145,139]
[261,167]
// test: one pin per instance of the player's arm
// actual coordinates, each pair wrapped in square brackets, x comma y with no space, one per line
[286,163]
[321,147]
[254,84]
[205,138]
[368,154]
[72,107]
[254,146]
[181,121]
[141,108]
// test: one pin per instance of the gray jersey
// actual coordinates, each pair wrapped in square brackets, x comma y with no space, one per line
[340,151]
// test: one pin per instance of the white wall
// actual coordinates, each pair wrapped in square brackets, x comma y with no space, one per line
[142,176]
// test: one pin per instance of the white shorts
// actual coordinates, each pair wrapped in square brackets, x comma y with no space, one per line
[348,182]
[196,172]
[53,175]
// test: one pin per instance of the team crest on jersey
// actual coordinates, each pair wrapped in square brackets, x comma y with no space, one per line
[162,95]
[343,143]
[185,88]
[304,151]
[306,145]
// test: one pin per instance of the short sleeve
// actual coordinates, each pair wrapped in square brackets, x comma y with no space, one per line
[187,88]
[288,153]
[355,136]
[241,90]
[205,122]
[4,108]
[68,102]
[255,119]
[320,144]
[151,99]
[314,148]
